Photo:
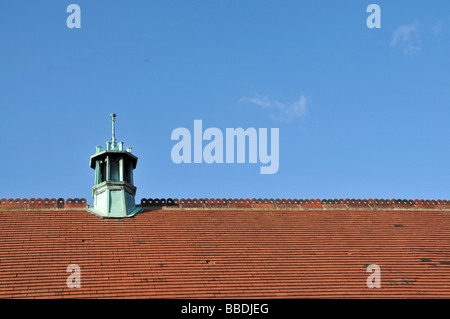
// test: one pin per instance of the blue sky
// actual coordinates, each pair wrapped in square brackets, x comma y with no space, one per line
[362,113]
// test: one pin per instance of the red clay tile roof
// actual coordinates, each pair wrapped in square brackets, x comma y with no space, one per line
[226,249]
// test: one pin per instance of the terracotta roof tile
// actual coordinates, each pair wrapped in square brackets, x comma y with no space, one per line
[226,248]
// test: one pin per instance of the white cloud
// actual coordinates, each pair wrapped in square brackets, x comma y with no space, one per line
[284,112]
[407,38]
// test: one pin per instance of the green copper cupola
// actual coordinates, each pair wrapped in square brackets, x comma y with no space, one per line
[114,191]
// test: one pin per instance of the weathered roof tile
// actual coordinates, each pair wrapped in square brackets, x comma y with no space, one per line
[261,249]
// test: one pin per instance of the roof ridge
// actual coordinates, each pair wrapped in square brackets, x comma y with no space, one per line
[234,203]
[34,203]
[297,203]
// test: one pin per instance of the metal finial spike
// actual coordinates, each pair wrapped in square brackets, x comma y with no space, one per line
[113,140]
